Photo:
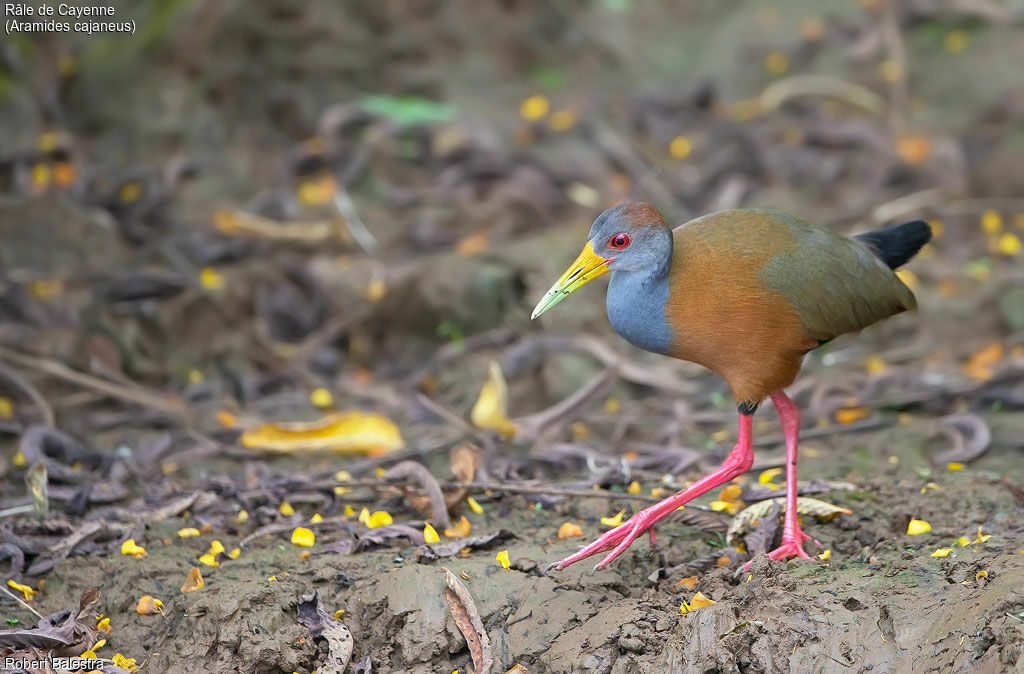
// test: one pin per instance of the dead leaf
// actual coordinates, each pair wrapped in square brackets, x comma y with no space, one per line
[804,506]
[36,481]
[434,501]
[569,530]
[689,583]
[491,409]
[969,436]
[761,538]
[434,551]
[467,619]
[57,629]
[340,432]
[148,605]
[194,581]
[311,613]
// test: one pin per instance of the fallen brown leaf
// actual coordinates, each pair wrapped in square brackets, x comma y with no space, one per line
[467,619]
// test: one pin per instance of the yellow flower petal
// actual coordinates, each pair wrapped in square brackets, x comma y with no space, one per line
[474,506]
[848,415]
[19,459]
[124,663]
[613,521]
[24,589]
[234,553]
[380,518]
[188,532]
[918,527]
[633,488]
[349,511]
[826,555]
[364,517]
[210,279]
[350,432]
[991,222]
[956,41]
[129,547]
[216,547]
[534,108]
[955,465]
[490,412]
[1009,244]
[502,558]
[286,508]
[680,147]
[769,475]
[149,605]
[194,581]
[942,552]
[430,534]
[569,530]
[321,397]
[303,537]
[700,600]
[209,560]
[242,516]
[459,530]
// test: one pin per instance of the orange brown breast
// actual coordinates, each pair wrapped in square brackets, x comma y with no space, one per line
[751,292]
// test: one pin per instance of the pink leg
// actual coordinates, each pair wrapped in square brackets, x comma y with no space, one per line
[792,536]
[618,539]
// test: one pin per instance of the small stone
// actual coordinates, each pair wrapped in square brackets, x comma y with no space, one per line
[664,623]
[524,564]
[632,644]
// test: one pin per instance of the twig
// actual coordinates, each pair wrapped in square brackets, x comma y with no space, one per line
[20,601]
[32,392]
[132,394]
[775,95]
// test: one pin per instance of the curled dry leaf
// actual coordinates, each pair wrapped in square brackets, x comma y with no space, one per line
[311,613]
[467,619]
[149,605]
[763,535]
[36,481]
[54,631]
[490,412]
[429,553]
[969,437]
[804,506]
[434,502]
[342,432]
[194,581]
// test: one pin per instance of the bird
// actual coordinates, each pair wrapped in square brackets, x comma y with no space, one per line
[746,293]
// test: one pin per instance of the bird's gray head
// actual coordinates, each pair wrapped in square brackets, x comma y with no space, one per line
[633,236]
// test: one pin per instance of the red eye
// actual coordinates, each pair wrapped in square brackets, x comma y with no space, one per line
[620,240]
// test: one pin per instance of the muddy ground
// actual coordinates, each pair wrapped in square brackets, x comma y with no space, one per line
[211,227]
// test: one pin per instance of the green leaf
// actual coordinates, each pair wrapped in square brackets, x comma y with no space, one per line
[408,110]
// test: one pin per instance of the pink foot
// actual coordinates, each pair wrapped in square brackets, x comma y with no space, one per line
[618,538]
[790,548]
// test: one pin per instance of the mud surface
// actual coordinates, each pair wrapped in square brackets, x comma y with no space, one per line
[155,328]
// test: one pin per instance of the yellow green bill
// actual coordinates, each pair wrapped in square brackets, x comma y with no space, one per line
[587,267]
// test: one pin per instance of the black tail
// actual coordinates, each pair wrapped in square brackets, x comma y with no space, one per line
[897,244]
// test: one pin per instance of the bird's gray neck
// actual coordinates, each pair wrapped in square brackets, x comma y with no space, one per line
[636,307]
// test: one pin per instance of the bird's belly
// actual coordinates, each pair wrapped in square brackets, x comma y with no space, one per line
[637,312]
